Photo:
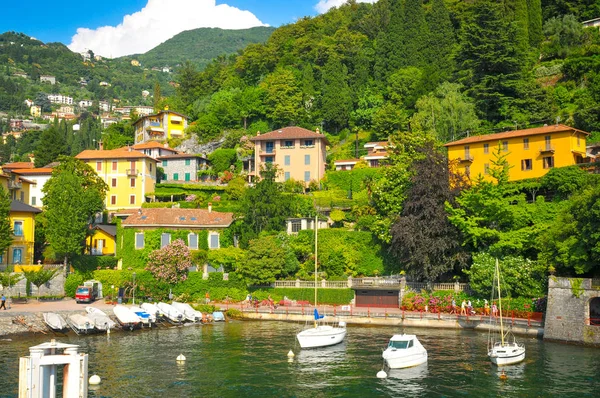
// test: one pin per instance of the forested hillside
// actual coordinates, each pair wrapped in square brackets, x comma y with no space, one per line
[200,46]
[447,67]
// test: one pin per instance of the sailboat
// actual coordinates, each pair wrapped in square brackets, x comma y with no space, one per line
[503,352]
[320,335]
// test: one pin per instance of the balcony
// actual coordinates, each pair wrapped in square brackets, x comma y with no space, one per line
[547,149]
[467,159]
[267,152]
[15,184]
[132,172]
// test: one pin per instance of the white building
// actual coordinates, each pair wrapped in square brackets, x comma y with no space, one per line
[85,103]
[48,79]
[39,177]
[60,99]
[145,93]
[143,110]
[104,106]
[155,149]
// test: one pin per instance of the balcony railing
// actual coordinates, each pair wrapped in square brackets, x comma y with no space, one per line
[14,184]
[132,172]
[547,149]
[467,159]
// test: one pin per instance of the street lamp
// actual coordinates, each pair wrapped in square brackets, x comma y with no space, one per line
[133,294]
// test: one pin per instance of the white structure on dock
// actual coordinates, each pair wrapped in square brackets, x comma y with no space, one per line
[38,372]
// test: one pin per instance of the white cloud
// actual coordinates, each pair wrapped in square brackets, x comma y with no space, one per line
[158,21]
[324,5]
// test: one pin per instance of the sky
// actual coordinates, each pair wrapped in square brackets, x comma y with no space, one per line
[123,27]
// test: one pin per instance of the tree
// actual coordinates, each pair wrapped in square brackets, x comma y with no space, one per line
[265,261]
[442,40]
[336,100]
[171,263]
[40,277]
[416,34]
[423,240]
[157,97]
[222,159]
[283,97]
[118,135]
[52,145]
[228,257]
[72,196]
[8,278]
[6,231]
[534,9]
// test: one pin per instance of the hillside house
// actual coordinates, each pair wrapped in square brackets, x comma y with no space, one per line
[161,126]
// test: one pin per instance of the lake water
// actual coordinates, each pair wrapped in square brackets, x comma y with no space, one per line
[249,359]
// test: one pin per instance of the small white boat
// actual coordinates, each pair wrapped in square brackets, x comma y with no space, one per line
[127,318]
[404,351]
[170,313]
[81,324]
[152,309]
[55,322]
[321,335]
[100,319]
[147,318]
[188,312]
[218,316]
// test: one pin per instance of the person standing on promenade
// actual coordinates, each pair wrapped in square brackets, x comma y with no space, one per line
[3,302]
[207,297]
[453,306]
[463,308]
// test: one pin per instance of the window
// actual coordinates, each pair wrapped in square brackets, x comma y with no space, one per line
[213,241]
[548,162]
[525,143]
[98,166]
[286,175]
[18,228]
[269,159]
[113,182]
[270,146]
[309,143]
[17,256]
[468,171]
[22,196]
[165,240]
[467,152]
[113,199]
[187,162]
[187,176]
[286,160]
[526,164]
[33,201]
[132,182]
[131,199]
[132,165]
[505,146]
[165,163]
[150,167]
[307,160]
[193,241]
[139,240]
[486,148]
[288,144]
[548,142]
[307,176]
[165,177]
[176,177]
[578,140]
[114,166]
[296,225]
[486,168]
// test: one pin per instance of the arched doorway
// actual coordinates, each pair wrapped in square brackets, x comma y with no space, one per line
[595,311]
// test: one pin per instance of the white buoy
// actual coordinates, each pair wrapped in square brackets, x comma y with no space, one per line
[95,379]
[291,354]
[181,358]
[381,374]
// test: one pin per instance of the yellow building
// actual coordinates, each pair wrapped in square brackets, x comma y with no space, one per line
[103,240]
[22,221]
[18,188]
[129,174]
[160,126]
[531,152]
[298,152]
[35,111]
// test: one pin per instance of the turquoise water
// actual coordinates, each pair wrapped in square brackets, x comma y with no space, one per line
[249,359]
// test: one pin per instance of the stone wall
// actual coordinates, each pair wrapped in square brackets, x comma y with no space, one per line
[56,287]
[568,311]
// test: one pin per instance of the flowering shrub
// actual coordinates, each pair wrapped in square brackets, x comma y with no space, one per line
[190,198]
[226,176]
[170,264]
[217,198]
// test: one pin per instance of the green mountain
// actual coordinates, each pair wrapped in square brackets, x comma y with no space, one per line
[200,46]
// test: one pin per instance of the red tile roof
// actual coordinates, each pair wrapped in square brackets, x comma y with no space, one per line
[181,218]
[151,145]
[38,171]
[346,161]
[160,113]
[555,128]
[18,165]
[181,156]
[291,132]
[121,153]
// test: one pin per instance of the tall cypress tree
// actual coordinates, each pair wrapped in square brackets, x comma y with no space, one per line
[336,100]
[416,34]
[5,228]
[389,43]
[516,12]
[534,8]
[50,147]
[442,39]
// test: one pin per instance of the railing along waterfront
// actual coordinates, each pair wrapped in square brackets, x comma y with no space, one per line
[371,283]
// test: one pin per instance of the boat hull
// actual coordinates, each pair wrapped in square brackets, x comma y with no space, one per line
[395,360]
[507,355]
[55,322]
[321,336]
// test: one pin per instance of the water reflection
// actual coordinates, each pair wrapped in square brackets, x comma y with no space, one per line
[407,381]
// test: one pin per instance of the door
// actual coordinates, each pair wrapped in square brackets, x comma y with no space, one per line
[100,247]
[270,146]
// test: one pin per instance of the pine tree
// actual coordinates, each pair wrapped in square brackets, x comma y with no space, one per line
[516,12]
[534,8]
[157,97]
[389,43]
[50,147]
[5,228]
[442,40]
[416,34]
[336,101]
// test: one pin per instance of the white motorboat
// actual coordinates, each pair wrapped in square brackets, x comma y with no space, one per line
[127,318]
[404,351]
[170,313]
[152,309]
[100,319]
[320,335]
[55,322]
[218,316]
[81,324]
[503,352]
[188,312]
[147,318]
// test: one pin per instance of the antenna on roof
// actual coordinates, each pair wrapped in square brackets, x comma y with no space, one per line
[516,125]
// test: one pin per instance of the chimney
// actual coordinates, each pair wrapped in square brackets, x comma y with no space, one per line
[100,145]
[210,207]
[317,131]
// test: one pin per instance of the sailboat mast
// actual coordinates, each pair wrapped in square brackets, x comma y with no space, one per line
[500,303]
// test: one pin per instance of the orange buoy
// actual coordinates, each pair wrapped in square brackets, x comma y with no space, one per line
[503,376]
